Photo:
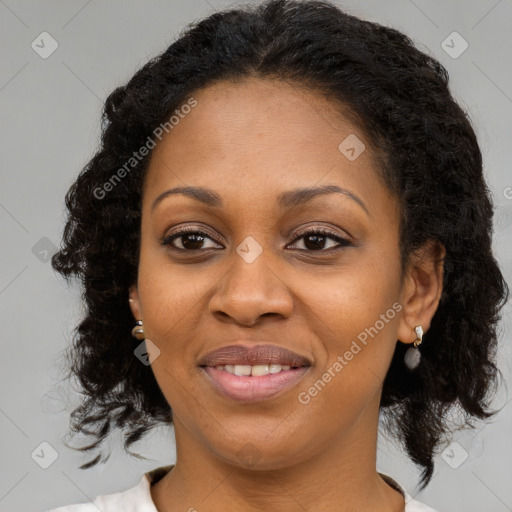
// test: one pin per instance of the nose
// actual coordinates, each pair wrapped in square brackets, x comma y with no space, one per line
[250,291]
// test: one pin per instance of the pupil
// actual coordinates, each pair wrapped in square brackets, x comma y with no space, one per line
[197,240]
[318,241]
[194,241]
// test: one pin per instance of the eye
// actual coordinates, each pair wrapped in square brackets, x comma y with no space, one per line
[190,239]
[315,240]
[193,239]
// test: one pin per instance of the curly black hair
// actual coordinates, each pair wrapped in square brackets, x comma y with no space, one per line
[430,160]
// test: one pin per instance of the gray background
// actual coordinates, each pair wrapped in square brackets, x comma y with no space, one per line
[50,127]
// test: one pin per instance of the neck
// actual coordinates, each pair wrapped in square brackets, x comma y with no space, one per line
[342,477]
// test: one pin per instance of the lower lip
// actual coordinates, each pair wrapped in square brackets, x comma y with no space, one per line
[251,389]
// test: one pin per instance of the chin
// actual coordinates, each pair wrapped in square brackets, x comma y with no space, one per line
[261,453]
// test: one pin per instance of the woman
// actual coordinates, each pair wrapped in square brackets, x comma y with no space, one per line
[285,232]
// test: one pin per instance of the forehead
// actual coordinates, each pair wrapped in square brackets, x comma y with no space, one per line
[256,137]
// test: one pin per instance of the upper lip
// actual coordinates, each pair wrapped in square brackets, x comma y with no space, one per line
[253,355]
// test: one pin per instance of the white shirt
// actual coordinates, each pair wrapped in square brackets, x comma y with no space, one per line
[138,498]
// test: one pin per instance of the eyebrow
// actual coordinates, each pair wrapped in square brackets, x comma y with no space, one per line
[288,199]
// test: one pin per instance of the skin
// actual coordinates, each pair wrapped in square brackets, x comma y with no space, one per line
[250,141]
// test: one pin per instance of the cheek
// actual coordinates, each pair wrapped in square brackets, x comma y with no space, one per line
[354,296]
[355,315]
[358,341]
[168,298]
[171,294]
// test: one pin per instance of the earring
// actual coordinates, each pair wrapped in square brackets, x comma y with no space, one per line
[138,331]
[412,357]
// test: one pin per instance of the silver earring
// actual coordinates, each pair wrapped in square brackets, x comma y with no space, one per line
[138,330]
[412,357]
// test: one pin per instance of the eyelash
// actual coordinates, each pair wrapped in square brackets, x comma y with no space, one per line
[168,240]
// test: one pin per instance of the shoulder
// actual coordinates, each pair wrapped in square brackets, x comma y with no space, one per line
[416,506]
[135,499]
[411,505]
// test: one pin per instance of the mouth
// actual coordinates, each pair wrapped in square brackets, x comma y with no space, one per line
[250,374]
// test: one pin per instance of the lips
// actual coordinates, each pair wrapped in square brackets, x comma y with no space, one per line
[255,373]
[255,355]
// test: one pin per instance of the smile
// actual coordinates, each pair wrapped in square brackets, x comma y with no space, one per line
[251,388]
[256,373]
[256,370]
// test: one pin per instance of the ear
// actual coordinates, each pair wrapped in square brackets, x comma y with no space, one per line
[422,288]
[134,302]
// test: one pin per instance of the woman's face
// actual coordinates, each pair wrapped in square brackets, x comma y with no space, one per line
[266,158]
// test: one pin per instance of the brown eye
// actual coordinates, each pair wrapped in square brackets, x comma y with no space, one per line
[316,240]
[190,239]
[193,239]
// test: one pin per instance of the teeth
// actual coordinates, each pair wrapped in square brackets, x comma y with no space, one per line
[242,369]
[257,370]
[275,368]
[260,369]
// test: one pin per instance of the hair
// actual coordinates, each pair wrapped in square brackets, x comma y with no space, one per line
[430,160]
